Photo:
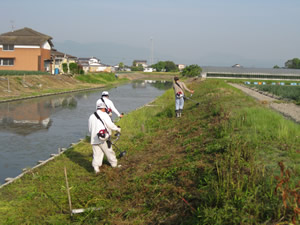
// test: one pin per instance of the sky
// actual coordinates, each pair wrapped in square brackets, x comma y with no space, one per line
[256,33]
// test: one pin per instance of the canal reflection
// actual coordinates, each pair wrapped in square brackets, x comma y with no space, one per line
[26,117]
[161,84]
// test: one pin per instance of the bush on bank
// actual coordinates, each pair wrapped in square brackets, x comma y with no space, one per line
[218,164]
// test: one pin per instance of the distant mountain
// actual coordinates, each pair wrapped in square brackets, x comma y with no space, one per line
[111,53]
[108,53]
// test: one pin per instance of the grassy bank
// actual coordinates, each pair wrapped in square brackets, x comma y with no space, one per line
[218,164]
[16,87]
[166,74]
[24,86]
[99,78]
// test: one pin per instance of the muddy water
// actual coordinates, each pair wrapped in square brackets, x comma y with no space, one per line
[31,130]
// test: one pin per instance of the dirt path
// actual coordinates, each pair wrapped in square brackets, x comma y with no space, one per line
[290,110]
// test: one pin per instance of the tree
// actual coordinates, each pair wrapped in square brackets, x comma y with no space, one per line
[160,66]
[121,66]
[65,67]
[192,71]
[293,63]
[170,66]
[134,63]
[137,68]
[74,69]
[276,67]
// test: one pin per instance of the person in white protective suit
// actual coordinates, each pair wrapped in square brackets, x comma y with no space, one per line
[100,128]
[110,107]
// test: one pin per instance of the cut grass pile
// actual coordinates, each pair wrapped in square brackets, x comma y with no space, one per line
[218,164]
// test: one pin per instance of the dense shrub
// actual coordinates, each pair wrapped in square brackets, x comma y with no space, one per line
[65,67]
[192,71]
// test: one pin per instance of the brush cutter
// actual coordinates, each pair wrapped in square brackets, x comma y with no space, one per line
[188,98]
[113,143]
[118,119]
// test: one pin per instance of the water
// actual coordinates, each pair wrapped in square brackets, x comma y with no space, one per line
[31,130]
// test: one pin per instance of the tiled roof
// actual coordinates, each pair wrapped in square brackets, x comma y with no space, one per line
[25,36]
[61,54]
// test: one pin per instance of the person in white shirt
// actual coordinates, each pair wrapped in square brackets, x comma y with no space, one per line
[109,104]
[178,87]
[102,146]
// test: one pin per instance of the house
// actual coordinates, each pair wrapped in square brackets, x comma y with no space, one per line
[180,66]
[84,62]
[236,66]
[140,62]
[25,49]
[117,68]
[148,69]
[58,59]
[93,65]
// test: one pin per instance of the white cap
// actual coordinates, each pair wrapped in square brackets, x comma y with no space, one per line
[100,104]
[104,93]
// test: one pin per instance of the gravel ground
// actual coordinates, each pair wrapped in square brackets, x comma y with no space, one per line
[289,110]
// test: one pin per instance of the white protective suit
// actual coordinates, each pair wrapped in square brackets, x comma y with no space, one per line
[100,147]
[110,105]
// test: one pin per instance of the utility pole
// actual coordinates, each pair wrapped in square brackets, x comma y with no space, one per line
[12,25]
[151,51]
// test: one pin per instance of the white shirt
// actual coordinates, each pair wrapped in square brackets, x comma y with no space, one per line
[111,105]
[95,125]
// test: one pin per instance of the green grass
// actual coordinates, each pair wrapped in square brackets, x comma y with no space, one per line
[218,164]
[163,73]
[19,72]
[153,73]
[289,92]
[97,78]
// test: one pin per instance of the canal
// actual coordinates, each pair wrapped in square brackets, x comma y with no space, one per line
[31,130]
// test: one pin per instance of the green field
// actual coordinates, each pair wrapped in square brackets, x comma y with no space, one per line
[227,160]
[288,92]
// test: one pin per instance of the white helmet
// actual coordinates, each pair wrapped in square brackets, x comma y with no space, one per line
[105,93]
[100,104]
